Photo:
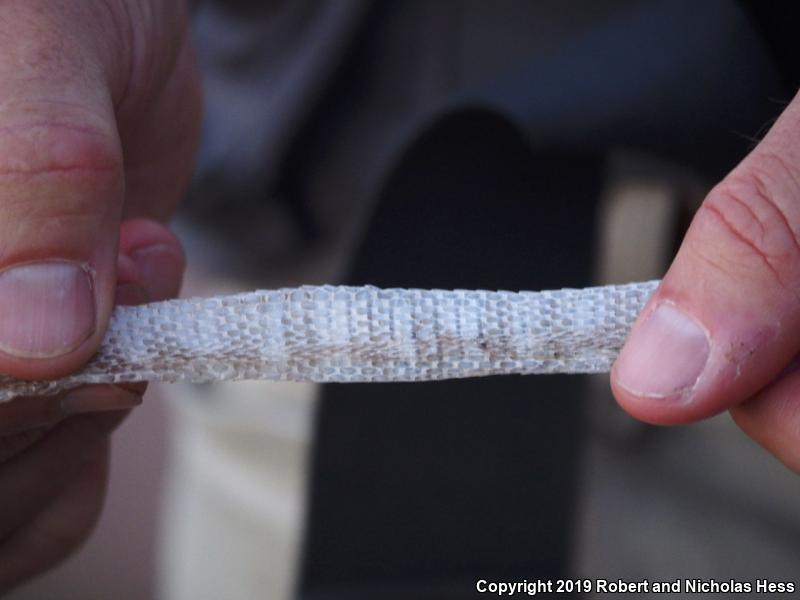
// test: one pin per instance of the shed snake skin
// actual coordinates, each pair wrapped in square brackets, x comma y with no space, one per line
[359,334]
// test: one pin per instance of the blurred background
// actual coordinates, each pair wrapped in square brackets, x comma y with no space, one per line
[503,145]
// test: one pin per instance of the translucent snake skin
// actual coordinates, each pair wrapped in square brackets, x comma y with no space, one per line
[366,334]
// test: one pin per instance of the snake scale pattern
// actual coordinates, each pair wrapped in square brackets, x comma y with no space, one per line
[359,334]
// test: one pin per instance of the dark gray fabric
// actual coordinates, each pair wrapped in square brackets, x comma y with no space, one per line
[428,487]
[380,159]
[691,82]
[288,173]
[423,489]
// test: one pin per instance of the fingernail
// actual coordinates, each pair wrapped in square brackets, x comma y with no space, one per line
[98,398]
[46,309]
[161,269]
[665,355]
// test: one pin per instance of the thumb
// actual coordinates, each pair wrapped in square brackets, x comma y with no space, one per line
[61,185]
[725,321]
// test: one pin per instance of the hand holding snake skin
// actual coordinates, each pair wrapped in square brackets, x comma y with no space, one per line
[341,334]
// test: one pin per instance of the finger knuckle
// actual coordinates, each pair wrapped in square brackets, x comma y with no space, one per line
[747,216]
[56,176]
[56,149]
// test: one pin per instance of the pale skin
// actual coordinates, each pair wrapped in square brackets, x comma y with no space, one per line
[737,277]
[100,108]
[99,119]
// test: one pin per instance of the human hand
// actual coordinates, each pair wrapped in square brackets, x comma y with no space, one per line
[54,450]
[723,328]
[99,120]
